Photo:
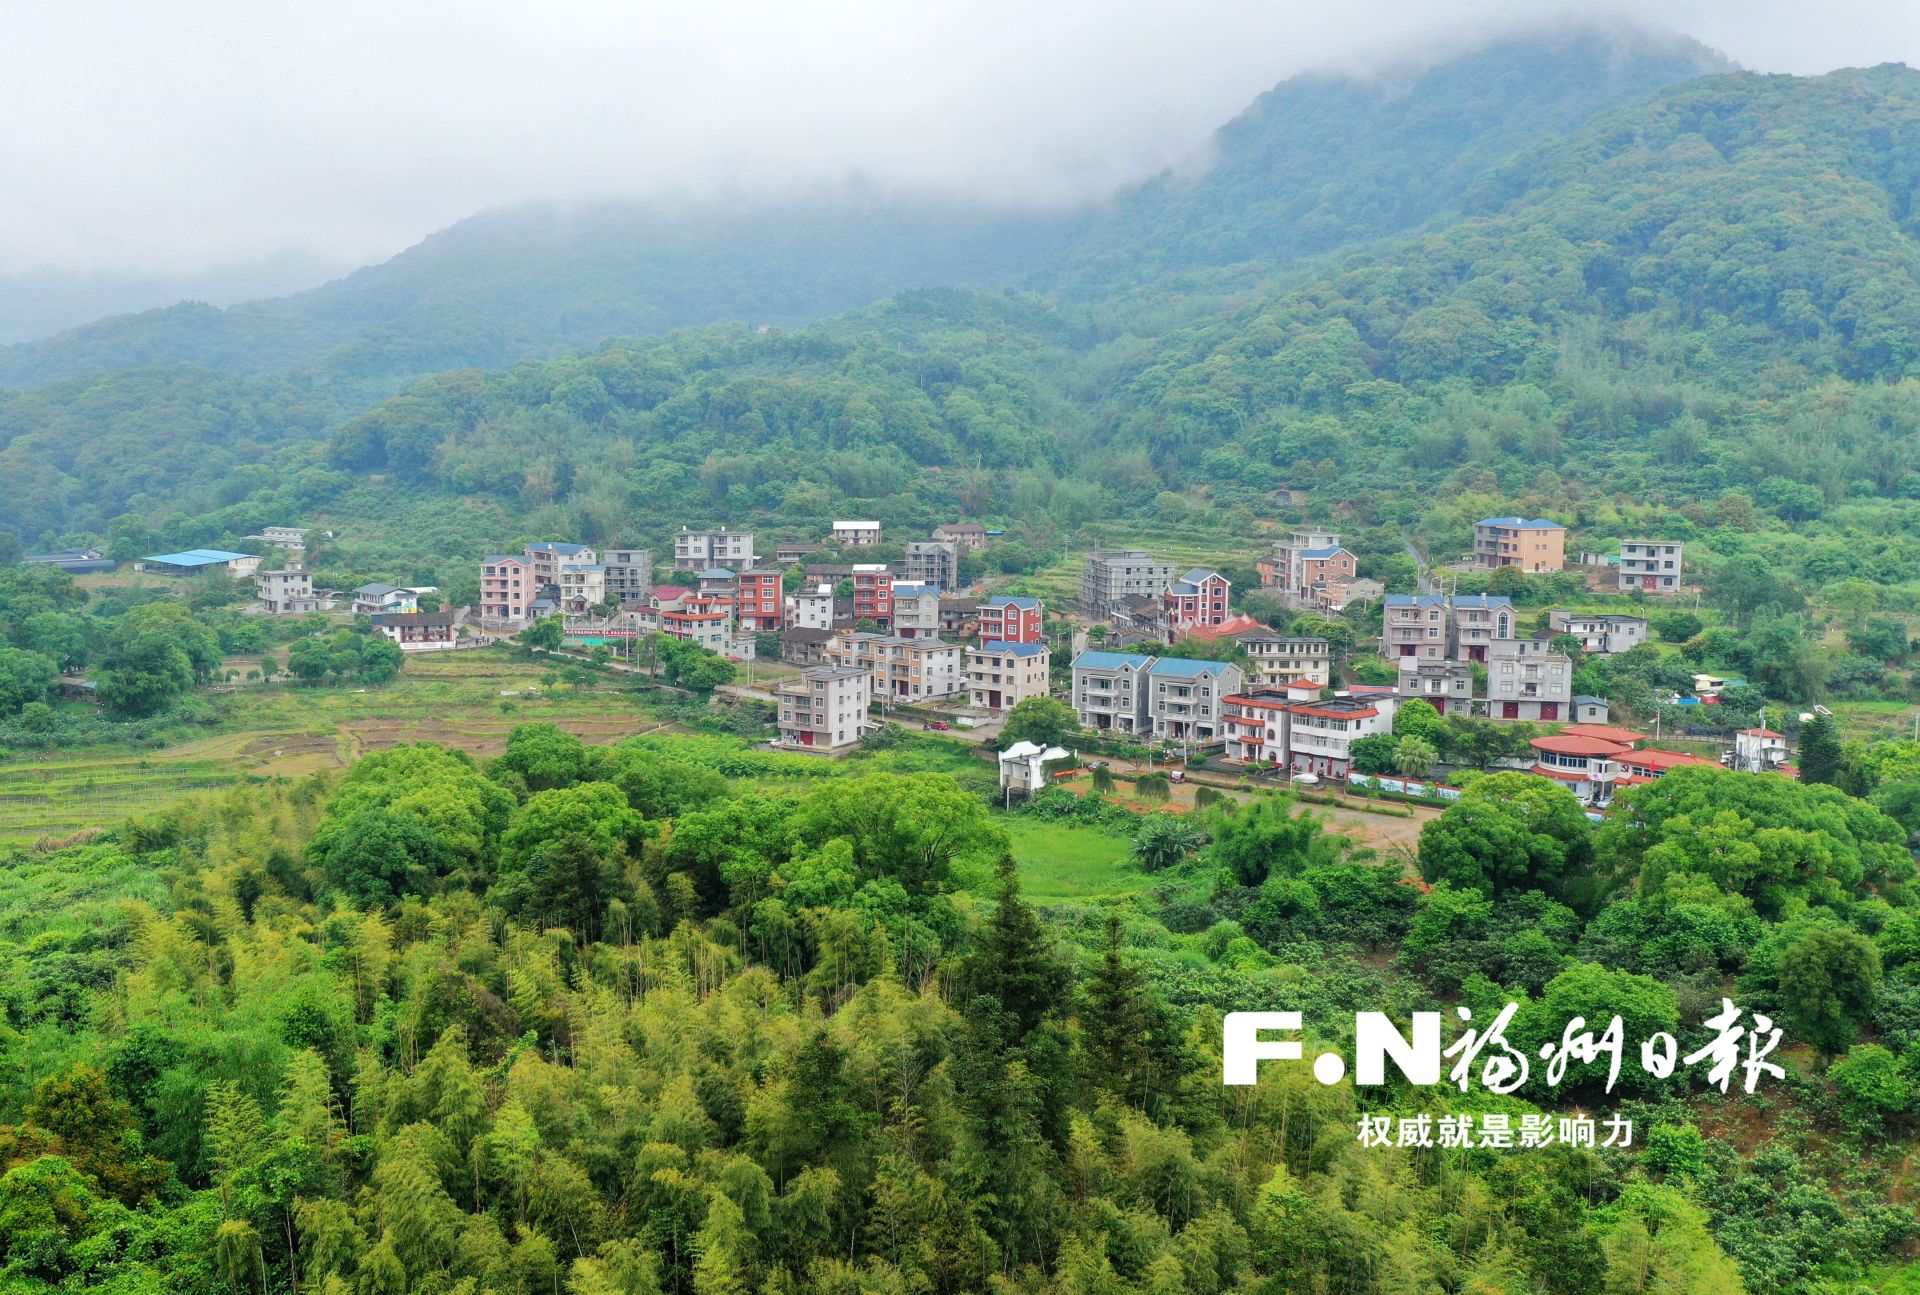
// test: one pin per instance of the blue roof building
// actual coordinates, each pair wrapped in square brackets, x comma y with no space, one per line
[193,561]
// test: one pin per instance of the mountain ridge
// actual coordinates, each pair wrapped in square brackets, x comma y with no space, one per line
[522,283]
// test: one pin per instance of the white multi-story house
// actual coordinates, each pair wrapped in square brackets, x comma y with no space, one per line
[1446,685]
[1650,565]
[1600,635]
[1527,680]
[1023,766]
[1321,734]
[369,599]
[419,631]
[286,593]
[855,534]
[1183,698]
[1001,675]
[810,609]
[903,669]
[697,550]
[701,626]
[1760,750]
[825,709]
[1283,658]
[916,609]
[1110,691]
[548,556]
[581,587]
[1255,723]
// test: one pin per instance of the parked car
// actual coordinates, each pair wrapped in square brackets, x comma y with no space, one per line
[938,724]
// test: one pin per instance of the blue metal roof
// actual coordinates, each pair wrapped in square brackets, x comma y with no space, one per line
[1320,553]
[1415,600]
[557,546]
[1533,523]
[1112,660]
[1015,649]
[1021,601]
[1186,667]
[195,557]
[1487,601]
[716,573]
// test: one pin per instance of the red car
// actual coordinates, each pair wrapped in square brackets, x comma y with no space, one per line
[938,724]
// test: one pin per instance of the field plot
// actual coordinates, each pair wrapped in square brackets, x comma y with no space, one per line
[1059,582]
[468,700]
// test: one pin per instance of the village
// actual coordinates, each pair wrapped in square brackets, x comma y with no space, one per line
[1152,654]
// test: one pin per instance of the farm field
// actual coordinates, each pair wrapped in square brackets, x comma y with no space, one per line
[459,699]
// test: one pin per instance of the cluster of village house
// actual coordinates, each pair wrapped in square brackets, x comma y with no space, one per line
[288,590]
[930,642]
[1281,710]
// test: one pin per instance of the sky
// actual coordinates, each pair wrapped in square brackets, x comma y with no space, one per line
[176,136]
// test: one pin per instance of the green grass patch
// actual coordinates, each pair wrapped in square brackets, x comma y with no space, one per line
[1064,861]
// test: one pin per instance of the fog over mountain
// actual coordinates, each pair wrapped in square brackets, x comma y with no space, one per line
[152,141]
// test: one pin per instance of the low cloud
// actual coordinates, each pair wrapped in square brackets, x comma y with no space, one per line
[169,136]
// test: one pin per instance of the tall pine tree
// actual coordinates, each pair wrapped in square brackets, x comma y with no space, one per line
[1014,964]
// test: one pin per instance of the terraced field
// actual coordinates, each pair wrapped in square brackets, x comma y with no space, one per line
[469,700]
[1059,582]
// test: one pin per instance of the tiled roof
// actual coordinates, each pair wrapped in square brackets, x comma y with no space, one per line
[1561,744]
[1605,732]
[1664,760]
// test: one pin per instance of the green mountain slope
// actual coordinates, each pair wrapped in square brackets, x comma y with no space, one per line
[1711,290]
[1316,163]
[1728,232]
[1322,162]
[509,285]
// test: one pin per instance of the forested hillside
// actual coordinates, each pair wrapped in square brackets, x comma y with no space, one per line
[1707,291]
[1324,162]
[534,282]
[676,1016]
